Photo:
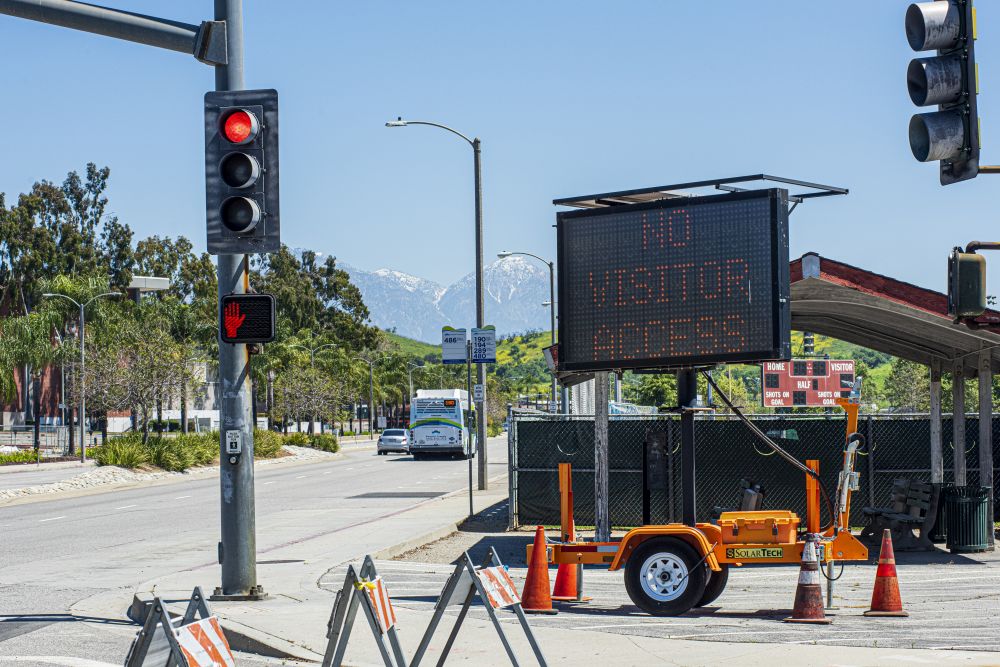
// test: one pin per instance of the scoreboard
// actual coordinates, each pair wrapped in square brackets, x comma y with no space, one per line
[806,383]
[675,282]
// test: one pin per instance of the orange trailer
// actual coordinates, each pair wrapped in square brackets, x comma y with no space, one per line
[674,567]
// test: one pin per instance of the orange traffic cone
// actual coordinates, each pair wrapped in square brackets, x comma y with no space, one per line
[568,588]
[569,580]
[536,599]
[885,596]
[808,595]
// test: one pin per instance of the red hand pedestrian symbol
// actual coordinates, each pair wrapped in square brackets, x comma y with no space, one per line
[232,319]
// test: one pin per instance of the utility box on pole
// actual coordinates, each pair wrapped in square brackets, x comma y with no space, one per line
[241,172]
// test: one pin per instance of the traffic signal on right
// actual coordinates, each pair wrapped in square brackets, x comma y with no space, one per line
[966,284]
[949,80]
[241,171]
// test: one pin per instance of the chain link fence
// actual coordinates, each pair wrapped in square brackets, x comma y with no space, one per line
[726,452]
[53,440]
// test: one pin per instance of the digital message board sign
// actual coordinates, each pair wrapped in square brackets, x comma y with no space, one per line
[675,282]
[806,383]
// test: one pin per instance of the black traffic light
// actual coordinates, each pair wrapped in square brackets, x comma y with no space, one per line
[949,80]
[246,318]
[241,171]
[966,284]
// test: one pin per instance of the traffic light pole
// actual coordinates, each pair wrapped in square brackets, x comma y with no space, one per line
[238,547]
[218,43]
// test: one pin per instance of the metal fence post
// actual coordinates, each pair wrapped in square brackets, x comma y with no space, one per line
[511,470]
[870,439]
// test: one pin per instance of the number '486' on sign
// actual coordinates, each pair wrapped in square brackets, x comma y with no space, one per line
[484,345]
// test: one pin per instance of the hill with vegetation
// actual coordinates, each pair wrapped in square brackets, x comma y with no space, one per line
[521,364]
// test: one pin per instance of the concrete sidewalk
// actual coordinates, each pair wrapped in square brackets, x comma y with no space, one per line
[291,624]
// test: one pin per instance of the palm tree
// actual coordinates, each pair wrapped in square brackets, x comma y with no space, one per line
[27,342]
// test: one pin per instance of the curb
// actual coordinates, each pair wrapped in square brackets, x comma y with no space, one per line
[409,545]
[58,465]
[240,637]
[394,550]
[195,473]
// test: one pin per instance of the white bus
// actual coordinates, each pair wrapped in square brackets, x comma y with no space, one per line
[440,426]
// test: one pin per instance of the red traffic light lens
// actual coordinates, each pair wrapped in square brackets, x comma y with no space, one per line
[240,127]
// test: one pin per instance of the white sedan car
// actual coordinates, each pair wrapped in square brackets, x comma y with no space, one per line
[393,440]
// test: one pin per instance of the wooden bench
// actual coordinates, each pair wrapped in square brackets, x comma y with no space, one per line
[913,506]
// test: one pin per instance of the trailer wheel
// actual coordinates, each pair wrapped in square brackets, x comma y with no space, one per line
[665,577]
[716,584]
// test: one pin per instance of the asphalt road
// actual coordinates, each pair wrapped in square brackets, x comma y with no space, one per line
[56,552]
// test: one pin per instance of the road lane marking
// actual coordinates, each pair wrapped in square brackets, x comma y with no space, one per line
[125,507]
[59,660]
[181,497]
[266,483]
[301,476]
[328,472]
[54,518]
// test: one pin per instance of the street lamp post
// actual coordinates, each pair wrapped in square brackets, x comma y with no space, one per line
[551,304]
[480,320]
[410,366]
[83,363]
[371,394]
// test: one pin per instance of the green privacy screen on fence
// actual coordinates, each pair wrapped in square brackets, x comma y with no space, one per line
[726,453]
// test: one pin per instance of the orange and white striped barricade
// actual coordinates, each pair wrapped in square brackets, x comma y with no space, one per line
[184,641]
[495,589]
[363,588]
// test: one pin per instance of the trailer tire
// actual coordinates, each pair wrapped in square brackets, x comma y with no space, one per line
[664,576]
[716,584]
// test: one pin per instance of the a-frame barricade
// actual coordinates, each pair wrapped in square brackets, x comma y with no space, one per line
[186,641]
[365,589]
[493,585]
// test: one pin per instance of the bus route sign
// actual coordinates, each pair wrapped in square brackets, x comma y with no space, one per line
[675,282]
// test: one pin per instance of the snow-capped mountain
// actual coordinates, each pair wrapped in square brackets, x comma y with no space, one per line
[418,308]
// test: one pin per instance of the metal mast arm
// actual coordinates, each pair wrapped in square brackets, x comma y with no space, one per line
[206,42]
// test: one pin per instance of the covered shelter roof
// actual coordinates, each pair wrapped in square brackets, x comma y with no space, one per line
[865,308]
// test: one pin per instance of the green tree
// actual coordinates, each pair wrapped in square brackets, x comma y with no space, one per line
[61,230]
[907,387]
[659,390]
[316,297]
[26,342]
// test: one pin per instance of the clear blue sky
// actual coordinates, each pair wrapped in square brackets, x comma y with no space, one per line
[568,97]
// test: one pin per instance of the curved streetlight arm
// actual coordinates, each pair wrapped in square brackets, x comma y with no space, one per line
[63,296]
[551,303]
[507,253]
[403,123]
[109,294]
